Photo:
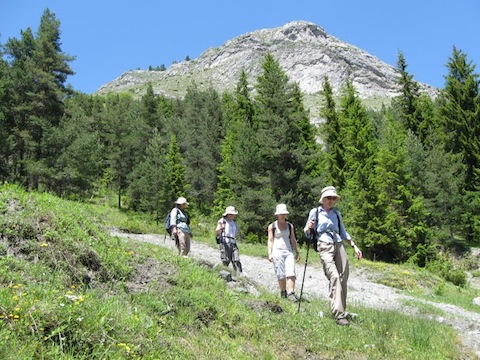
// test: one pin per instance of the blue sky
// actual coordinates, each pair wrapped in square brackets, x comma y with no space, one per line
[109,37]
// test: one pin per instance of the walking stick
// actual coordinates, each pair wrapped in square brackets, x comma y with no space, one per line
[303,280]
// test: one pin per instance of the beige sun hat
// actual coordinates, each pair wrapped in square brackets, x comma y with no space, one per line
[181,200]
[328,191]
[281,209]
[230,210]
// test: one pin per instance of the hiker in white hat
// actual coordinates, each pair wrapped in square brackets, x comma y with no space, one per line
[283,251]
[226,236]
[180,224]
[325,227]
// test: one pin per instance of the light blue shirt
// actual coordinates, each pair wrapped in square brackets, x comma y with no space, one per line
[328,229]
[181,221]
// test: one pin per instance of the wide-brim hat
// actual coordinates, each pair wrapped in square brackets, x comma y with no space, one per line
[230,210]
[181,200]
[328,191]
[281,209]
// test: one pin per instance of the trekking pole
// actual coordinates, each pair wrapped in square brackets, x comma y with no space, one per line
[303,280]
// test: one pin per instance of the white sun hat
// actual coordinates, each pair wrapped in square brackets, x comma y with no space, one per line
[281,210]
[181,200]
[230,210]
[328,191]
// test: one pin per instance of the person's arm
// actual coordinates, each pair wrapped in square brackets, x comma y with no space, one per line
[346,236]
[270,243]
[310,224]
[293,241]
[173,217]
[220,226]
[358,252]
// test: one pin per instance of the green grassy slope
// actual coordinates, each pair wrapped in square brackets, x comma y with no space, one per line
[68,290]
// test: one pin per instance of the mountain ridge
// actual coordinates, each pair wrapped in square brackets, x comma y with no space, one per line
[305,51]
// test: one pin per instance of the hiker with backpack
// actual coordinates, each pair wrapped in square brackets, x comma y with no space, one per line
[283,252]
[180,227]
[325,226]
[227,234]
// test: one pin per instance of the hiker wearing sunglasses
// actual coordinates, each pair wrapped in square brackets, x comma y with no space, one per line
[227,234]
[181,231]
[326,226]
[283,251]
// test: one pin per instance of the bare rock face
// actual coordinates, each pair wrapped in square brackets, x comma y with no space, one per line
[304,50]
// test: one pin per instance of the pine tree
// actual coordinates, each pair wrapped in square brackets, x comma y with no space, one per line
[39,71]
[459,111]
[398,224]
[175,183]
[414,110]
[331,135]
[147,183]
[359,144]
[199,133]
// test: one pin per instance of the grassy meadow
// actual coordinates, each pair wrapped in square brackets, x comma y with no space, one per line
[68,290]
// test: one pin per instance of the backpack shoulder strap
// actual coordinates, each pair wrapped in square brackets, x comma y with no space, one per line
[339,222]
[290,228]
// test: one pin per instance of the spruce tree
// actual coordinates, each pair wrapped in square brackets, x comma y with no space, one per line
[147,183]
[39,71]
[415,110]
[199,134]
[459,110]
[331,136]
[398,222]
[359,144]
[174,175]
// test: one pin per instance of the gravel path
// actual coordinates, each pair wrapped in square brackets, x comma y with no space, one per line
[361,290]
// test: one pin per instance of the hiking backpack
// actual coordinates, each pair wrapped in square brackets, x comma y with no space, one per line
[168,223]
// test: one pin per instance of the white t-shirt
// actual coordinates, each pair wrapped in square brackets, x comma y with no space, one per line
[230,231]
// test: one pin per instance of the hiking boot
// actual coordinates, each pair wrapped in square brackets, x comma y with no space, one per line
[283,294]
[351,316]
[292,297]
[342,321]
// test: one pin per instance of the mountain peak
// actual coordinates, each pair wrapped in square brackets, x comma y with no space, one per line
[305,51]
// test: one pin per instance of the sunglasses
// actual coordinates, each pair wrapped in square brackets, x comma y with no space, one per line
[330,197]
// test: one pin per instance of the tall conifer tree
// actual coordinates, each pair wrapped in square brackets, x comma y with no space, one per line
[459,111]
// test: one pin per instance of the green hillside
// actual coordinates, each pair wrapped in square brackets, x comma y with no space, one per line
[70,291]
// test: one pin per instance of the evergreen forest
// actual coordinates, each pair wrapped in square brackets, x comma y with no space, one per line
[408,174]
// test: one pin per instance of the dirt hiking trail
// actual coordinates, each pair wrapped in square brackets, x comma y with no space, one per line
[362,291]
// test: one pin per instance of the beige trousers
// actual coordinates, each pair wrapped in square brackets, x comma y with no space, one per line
[183,243]
[335,265]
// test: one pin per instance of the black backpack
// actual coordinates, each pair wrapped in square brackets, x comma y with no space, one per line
[168,222]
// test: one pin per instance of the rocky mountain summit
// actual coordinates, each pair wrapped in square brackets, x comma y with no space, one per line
[304,50]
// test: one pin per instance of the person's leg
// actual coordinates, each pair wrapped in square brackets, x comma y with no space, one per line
[187,244]
[282,284]
[291,276]
[181,242]
[341,262]
[237,265]
[223,254]
[327,253]
[279,267]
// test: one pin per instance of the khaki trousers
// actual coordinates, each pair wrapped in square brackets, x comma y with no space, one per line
[335,265]
[183,243]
